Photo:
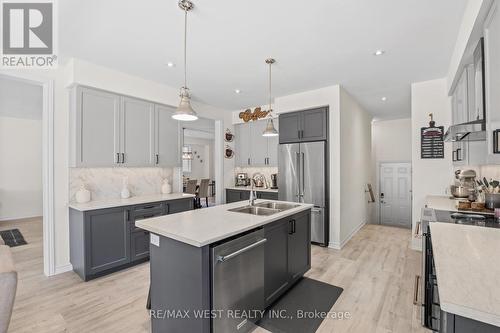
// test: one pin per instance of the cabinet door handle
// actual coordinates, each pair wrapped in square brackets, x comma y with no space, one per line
[290,227]
[117,158]
[415,290]
[249,161]
[157,159]
[453,156]
[123,157]
[417,230]
[459,153]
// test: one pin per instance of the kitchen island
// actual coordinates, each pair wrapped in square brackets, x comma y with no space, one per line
[467,271]
[217,269]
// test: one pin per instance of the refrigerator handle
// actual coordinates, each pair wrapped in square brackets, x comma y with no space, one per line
[297,156]
[302,168]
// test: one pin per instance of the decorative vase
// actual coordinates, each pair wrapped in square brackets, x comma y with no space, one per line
[125,193]
[82,195]
[166,188]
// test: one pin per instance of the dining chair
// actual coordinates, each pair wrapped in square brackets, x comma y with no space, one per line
[203,191]
[191,189]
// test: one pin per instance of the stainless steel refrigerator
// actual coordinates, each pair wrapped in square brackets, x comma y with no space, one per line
[302,178]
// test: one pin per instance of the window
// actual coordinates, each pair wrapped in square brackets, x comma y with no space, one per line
[187,158]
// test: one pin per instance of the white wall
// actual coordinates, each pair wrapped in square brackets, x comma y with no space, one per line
[20,167]
[355,166]
[430,176]
[391,142]
[204,149]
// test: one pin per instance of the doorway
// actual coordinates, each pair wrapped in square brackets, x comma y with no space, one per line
[395,194]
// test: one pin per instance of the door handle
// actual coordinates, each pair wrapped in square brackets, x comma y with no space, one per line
[417,230]
[290,227]
[459,151]
[415,290]
[157,158]
[240,251]
[117,158]
[123,158]
[303,173]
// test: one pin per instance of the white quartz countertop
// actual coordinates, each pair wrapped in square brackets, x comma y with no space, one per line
[248,188]
[468,270]
[205,226]
[118,202]
[441,202]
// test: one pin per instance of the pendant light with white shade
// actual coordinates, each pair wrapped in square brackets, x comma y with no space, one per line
[270,129]
[185,112]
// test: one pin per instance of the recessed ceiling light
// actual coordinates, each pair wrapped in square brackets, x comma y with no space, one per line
[384,99]
[170,64]
[237,91]
[379,52]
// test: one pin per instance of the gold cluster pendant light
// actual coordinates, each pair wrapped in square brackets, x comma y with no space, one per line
[270,129]
[185,112]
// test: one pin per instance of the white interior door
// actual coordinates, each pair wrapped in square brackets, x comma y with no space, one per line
[395,194]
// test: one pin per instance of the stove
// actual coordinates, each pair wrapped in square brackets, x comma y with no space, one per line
[478,220]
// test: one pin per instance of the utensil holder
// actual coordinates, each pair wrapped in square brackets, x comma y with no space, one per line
[492,200]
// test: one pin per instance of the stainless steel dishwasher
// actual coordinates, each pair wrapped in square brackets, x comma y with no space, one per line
[238,282]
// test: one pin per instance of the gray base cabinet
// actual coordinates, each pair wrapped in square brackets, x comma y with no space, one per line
[451,323]
[241,195]
[288,254]
[106,240]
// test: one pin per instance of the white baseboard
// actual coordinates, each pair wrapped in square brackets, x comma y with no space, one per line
[63,269]
[11,218]
[339,246]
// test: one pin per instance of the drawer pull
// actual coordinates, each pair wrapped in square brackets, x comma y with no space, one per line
[415,290]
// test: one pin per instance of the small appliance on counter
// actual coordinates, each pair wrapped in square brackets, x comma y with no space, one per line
[274,181]
[242,179]
[465,184]
[259,180]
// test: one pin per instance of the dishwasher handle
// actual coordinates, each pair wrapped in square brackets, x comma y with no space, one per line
[242,250]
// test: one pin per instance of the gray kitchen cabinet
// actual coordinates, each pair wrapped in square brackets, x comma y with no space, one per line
[167,138]
[107,241]
[492,71]
[287,254]
[95,128]
[240,195]
[258,143]
[304,126]
[451,323]
[137,135]
[103,241]
[276,278]
[299,247]
[109,130]
[243,137]
[290,126]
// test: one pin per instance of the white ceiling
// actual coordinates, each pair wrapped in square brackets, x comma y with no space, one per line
[316,44]
[19,99]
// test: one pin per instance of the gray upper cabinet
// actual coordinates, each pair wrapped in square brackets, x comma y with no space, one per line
[243,145]
[258,143]
[137,137]
[304,126]
[95,128]
[167,137]
[289,127]
[492,70]
[253,149]
[107,129]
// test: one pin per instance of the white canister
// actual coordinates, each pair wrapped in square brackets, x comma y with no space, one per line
[166,188]
[125,192]
[82,195]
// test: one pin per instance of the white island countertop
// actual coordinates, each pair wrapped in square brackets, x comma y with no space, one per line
[118,202]
[205,226]
[468,270]
[441,202]
[248,188]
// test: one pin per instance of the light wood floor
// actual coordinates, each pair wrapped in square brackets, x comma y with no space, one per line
[376,269]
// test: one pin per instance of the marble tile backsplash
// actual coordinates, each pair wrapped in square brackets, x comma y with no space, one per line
[106,183]
[490,171]
[252,171]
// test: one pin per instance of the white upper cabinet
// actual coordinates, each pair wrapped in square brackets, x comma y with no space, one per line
[492,69]
[253,149]
[137,135]
[112,130]
[460,100]
[95,128]
[167,138]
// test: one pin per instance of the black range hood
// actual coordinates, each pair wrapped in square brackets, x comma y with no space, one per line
[471,131]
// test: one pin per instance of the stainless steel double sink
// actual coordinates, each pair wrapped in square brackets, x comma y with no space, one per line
[265,208]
